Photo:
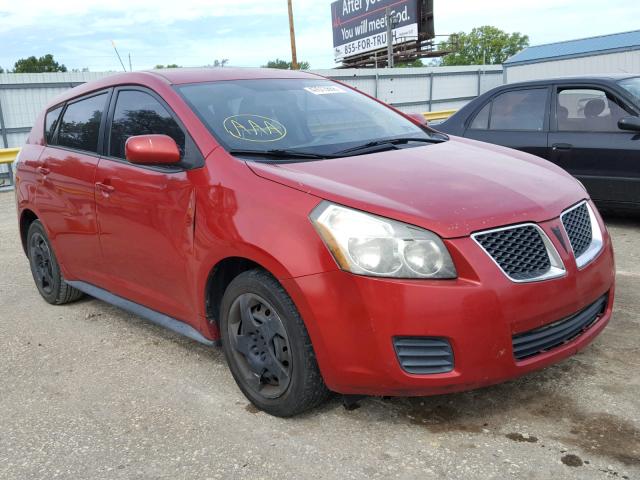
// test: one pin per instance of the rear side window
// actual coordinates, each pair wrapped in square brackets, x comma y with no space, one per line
[481,122]
[519,110]
[138,113]
[80,124]
[50,123]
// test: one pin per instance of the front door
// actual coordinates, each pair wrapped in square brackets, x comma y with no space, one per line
[515,119]
[587,142]
[146,214]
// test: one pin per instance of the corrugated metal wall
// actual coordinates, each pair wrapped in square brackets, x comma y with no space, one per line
[422,89]
[621,62]
[22,96]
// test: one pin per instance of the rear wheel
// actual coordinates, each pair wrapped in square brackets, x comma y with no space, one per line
[45,269]
[268,348]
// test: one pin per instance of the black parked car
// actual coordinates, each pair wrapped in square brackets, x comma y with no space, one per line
[590,126]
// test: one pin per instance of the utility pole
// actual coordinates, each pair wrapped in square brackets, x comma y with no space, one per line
[389,38]
[294,55]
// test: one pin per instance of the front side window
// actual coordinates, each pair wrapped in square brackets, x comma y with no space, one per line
[519,110]
[588,110]
[80,124]
[50,123]
[632,85]
[317,116]
[138,113]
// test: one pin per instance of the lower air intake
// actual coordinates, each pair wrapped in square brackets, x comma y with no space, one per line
[543,339]
[424,355]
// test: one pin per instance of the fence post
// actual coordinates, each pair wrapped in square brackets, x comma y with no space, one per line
[431,77]
[377,81]
[479,82]
[5,140]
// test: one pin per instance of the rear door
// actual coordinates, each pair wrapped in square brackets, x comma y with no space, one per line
[586,141]
[146,214]
[66,172]
[517,118]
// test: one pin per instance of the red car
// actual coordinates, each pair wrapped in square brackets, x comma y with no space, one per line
[330,242]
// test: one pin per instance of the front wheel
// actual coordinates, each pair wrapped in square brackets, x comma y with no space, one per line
[268,348]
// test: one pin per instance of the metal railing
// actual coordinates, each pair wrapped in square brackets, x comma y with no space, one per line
[438,115]
[7,157]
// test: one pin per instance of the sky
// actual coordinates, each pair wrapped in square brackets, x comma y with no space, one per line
[251,32]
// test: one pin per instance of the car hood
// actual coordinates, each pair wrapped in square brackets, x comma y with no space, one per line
[452,188]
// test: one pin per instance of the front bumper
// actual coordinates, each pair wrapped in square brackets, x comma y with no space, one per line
[352,320]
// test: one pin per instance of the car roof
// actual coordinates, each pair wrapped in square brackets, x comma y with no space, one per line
[605,77]
[179,76]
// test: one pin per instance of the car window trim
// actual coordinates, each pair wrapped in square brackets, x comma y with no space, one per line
[106,135]
[54,133]
[586,86]
[67,103]
[546,122]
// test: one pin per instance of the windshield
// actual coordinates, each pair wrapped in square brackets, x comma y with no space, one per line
[317,117]
[632,85]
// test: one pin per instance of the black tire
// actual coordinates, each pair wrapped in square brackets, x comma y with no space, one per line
[302,387]
[45,269]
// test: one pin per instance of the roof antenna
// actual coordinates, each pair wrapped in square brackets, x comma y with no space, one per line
[114,47]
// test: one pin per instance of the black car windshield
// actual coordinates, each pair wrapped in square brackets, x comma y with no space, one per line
[314,117]
[632,85]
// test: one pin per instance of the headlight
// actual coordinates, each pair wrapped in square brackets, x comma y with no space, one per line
[370,245]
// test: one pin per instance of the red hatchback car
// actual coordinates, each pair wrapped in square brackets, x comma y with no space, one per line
[330,242]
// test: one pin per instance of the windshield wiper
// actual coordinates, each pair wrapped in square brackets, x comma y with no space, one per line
[281,153]
[388,144]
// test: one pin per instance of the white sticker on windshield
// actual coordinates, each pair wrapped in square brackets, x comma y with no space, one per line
[324,90]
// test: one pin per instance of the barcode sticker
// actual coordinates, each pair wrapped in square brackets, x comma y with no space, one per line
[324,90]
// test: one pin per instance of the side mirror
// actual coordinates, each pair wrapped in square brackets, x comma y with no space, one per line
[418,118]
[152,150]
[629,123]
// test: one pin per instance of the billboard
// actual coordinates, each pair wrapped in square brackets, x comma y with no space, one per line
[360,26]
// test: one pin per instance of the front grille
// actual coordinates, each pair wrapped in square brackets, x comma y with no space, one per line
[424,355]
[519,251]
[577,224]
[542,339]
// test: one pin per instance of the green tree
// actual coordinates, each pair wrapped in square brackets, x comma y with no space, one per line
[220,63]
[284,65]
[482,46]
[1,70]
[171,65]
[413,63]
[38,65]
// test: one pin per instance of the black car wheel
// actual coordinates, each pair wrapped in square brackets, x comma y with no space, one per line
[268,348]
[45,269]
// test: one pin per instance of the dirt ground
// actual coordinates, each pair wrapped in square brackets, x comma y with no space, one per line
[89,391]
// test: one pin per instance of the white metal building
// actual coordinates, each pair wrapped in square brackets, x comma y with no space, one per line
[616,53]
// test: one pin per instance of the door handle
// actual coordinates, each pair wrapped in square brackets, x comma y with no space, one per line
[104,188]
[43,171]
[561,146]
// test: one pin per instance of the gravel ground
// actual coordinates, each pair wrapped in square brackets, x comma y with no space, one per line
[90,391]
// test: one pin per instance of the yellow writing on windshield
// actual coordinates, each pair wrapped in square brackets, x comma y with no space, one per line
[254,128]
